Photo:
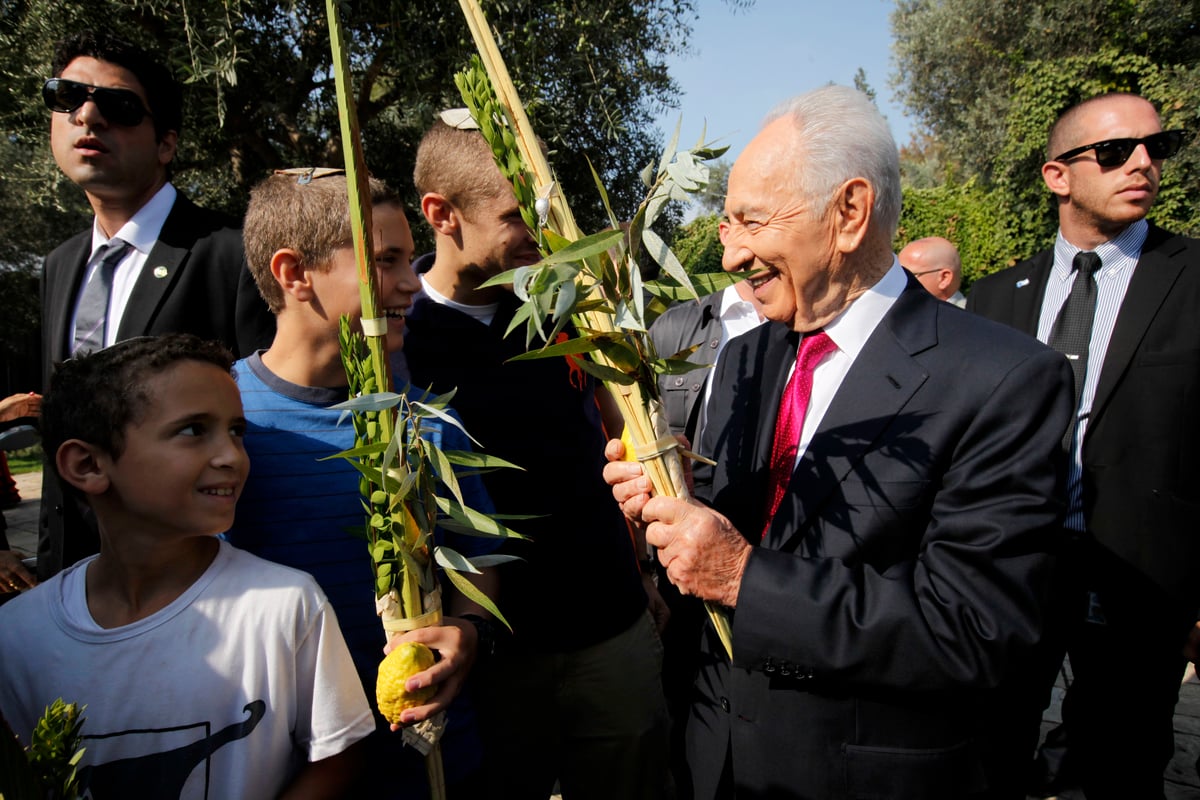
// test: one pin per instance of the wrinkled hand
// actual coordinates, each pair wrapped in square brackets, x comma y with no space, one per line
[14,577]
[455,643]
[703,553]
[20,405]
[630,486]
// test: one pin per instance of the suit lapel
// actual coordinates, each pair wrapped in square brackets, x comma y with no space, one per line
[879,384]
[1029,291]
[1156,273]
[780,354]
[160,272]
[62,302]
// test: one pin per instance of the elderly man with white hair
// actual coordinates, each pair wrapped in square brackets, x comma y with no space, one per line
[885,499]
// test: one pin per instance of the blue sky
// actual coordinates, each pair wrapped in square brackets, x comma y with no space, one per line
[744,62]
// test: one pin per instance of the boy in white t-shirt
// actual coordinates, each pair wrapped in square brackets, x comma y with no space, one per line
[206,672]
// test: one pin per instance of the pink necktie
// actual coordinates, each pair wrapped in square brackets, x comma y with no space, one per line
[790,421]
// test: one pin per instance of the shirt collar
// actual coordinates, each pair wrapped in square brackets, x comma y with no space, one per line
[1116,254]
[851,328]
[143,227]
[733,306]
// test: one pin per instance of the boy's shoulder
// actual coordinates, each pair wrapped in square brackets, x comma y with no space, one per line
[263,390]
[264,574]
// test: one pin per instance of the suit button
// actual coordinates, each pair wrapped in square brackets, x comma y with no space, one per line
[714,344]
[695,387]
[725,704]
[679,380]
[785,670]
[769,667]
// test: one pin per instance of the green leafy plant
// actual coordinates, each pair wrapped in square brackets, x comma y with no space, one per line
[410,487]
[594,282]
[48,769]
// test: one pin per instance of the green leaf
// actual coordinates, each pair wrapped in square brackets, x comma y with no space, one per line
[676,366]
[583,248]
[658,249]
[570,347]
[669,151]
[612,218]
[445,471]
[451,559]
[471,521]
[493,559]
[623,356]
[358,452]
[477,460]
[449,419]
[471,592]
[370,402]
[605,373]
[704,285]
[565,302]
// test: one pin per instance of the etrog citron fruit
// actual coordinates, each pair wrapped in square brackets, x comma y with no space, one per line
[627,440]
[406,660]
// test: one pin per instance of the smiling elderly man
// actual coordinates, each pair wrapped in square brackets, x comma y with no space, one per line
[885,551]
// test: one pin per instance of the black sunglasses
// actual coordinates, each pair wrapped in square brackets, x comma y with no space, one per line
[1115,152]
[119,106]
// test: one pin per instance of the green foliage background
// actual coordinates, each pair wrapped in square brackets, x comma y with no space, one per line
[986,79]
[260,95]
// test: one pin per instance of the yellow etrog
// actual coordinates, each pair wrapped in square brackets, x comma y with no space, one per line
[406,660]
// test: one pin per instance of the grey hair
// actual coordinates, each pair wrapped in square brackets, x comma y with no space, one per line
[840,135]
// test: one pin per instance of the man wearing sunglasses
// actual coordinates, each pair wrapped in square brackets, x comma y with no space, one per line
[1127,319]
[115,117]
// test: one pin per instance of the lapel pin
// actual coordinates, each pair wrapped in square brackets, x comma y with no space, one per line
[160,272]
[1022,282]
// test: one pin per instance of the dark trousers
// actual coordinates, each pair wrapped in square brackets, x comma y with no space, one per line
[1127,660]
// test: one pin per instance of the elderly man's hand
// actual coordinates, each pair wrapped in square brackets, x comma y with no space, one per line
[630,485]
[703,553]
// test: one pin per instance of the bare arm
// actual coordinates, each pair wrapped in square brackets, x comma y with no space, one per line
[330,778]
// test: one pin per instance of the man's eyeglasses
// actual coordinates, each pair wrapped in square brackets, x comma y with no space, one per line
[916,274]
[1115,152]
[119,106]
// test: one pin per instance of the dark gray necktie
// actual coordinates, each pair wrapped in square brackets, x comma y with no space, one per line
[91,315]
[1072,331]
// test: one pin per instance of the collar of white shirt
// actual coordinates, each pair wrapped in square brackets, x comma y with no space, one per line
[143,228]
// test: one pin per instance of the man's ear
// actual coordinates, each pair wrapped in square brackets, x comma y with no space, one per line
[944,279]
[440,213]
[292,276]
[852,208]
[166,147]
[1057,177]
[82,465]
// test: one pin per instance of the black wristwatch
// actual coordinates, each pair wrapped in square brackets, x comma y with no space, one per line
[487,639]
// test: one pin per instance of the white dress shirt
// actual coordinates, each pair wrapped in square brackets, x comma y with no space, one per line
[141,231]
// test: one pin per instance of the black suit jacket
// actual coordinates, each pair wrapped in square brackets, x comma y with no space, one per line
[681,326]
[195,280]
[905,572]
[1141,450]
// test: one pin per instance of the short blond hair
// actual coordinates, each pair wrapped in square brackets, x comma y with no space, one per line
[311,218]
[458,165]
